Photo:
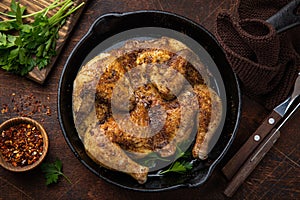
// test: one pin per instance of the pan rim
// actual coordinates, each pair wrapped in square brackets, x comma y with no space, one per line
[62,79]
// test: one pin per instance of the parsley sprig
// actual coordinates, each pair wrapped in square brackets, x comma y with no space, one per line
[179,166]
[29,40]
[53,171]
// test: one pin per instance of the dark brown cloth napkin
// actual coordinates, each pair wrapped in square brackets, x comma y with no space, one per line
[267,63]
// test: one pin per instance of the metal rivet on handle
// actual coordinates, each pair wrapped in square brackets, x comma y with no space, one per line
[271,120]
[256,138]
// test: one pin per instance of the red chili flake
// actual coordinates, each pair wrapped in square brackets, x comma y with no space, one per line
[21,144]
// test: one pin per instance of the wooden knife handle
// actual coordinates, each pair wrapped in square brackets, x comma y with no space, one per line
[248,147]
[251,163]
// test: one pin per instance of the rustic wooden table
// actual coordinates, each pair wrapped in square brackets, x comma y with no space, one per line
[276,177]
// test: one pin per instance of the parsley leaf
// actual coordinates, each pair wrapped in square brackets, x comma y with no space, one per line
[53,171]
[179,167]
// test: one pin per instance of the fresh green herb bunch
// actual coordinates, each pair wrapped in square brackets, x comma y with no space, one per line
[27,41]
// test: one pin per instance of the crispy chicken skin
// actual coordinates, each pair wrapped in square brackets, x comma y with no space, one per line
[110,155]
[209,118]
[88,112]
[147,96]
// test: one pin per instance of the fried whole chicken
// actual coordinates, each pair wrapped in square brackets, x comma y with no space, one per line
[147,96]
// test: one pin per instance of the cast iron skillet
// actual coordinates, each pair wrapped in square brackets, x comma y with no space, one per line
[106,28]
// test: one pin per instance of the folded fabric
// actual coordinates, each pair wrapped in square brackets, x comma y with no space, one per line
[267,63]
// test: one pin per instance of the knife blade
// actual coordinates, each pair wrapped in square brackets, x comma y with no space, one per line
[261,132]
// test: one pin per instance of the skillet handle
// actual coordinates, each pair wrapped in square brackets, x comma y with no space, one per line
[286,18]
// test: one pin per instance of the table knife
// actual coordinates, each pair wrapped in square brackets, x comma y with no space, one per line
[261,132]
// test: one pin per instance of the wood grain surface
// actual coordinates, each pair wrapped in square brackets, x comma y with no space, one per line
[277,176]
